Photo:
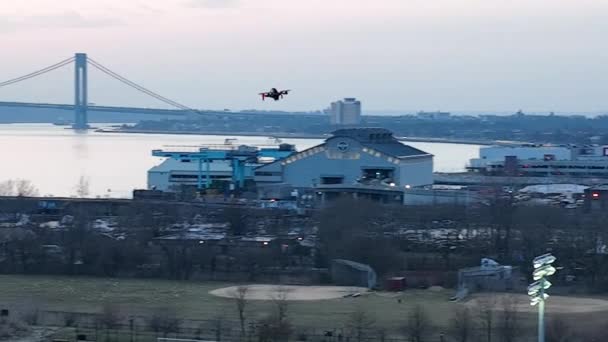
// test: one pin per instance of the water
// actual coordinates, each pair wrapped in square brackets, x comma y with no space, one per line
[54,158]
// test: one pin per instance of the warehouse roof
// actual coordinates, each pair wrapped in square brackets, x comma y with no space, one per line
[381,140]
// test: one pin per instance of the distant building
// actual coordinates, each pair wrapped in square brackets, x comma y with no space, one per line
[345,112]
[490,276]
[596,198]
[542,160]
[434,115]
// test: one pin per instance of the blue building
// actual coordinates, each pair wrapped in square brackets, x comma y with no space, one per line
[356,156]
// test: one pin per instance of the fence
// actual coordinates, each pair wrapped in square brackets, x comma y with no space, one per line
[70,326]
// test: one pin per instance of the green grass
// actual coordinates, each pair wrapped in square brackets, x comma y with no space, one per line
[192,300]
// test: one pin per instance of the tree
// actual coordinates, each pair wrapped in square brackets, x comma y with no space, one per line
[240,299]
[165,321]
[344,233]
[272,329]
[218,326]
[83,187]
[279,299]
[109,318]
[18,187]
[508,325]
[360,323]
[486,316]
[276,326]
[461,325]
[236,216]
[418,324]
[558,330]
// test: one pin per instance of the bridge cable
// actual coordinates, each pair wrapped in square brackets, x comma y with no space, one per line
[38,72]
[136,86]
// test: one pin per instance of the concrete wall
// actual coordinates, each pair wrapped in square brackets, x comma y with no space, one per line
[430,197]
[158,179]
[498,153]
[416,171]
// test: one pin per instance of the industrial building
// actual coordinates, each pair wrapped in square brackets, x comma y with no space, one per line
[211,166]
[355,156]
[596,198]
[542,161]
[489,276]
[367,163]
[345,112]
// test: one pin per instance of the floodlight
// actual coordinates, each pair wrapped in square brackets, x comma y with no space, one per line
[543,271]
[536,300]
[538,285]
[543,260]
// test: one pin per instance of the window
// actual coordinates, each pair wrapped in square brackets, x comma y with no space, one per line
[268,174]
[332,180]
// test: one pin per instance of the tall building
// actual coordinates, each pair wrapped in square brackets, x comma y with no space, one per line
[345,112]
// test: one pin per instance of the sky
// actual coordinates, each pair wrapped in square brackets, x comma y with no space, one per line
[400,55]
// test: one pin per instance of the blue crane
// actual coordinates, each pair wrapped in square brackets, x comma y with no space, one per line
[239,156]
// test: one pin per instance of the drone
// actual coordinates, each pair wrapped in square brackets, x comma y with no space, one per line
[274,94]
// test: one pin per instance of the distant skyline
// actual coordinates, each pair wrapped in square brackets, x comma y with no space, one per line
[410,55]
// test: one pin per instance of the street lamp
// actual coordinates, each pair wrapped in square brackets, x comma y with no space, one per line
[536,290]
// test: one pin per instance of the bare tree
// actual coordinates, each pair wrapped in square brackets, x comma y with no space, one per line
[271,329]
[360,323]
[279,298]
[165,321]
[18,187]
[7,187]
[276,326]
[508,325]
[236,217]
[486,316]
[461,326]
[418,324]
[83,187]
[70,319]
[109,318]
[240,298]
[218,327]
[25,188]
[30,314]
[558,330]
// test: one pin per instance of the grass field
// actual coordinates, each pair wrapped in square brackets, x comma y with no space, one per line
[192,300]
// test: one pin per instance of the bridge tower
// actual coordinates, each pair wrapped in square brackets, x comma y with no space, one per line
[81,89]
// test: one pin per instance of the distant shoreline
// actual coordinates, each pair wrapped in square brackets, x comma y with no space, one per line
[284,135]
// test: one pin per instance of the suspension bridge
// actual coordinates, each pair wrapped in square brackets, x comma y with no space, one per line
[81,106]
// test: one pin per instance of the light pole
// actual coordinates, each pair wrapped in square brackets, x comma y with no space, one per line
[536,290]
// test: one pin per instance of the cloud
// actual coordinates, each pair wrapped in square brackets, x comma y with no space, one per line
[213,4]
[71,19]
[68,19]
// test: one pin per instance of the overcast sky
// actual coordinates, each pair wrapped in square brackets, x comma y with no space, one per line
[453,55]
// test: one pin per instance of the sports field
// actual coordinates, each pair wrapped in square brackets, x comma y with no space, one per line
[193,300]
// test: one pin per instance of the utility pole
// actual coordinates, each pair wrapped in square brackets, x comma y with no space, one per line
[536,290]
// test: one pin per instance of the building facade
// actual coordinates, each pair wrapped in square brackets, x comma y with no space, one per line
[345,112]
[542,161]
[365,156]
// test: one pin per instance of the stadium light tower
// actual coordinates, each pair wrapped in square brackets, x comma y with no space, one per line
[536,290]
